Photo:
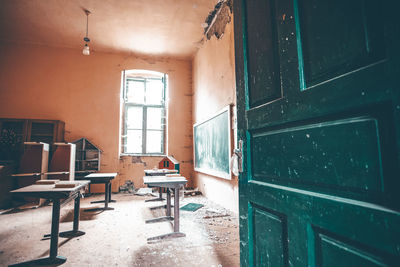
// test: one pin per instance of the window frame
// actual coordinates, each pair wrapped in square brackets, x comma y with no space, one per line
[144,106]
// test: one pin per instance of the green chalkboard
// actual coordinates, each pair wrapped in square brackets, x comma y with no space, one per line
[212,145]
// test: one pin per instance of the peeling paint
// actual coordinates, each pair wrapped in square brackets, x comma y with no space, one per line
[136,159]
[218,18]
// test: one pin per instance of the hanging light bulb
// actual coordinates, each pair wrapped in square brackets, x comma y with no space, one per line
[86,50]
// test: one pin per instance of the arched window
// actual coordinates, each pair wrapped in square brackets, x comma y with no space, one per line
[144,112]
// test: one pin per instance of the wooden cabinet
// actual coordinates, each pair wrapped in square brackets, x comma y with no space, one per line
[7,183]
[14,132]
[16,126]
[48,131]
[33,130]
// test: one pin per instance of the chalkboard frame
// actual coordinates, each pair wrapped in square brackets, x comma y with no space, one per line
[213,172]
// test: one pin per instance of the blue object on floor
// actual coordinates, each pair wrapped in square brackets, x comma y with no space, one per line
[192,206]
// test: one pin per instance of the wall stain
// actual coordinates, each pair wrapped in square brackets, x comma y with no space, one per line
[137,159]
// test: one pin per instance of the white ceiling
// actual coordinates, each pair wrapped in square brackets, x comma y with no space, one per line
[168,28]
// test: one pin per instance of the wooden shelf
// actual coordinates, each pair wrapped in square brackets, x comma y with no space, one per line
[87,156]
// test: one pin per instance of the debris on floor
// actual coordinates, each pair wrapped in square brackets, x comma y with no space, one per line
[120,235]
[215,216]
[215,213]
[145,191]
[128,187]
[220,224]
[189,191]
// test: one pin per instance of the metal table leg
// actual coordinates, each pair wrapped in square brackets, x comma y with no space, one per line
[176,232]
[159,198]
[109,199]
[168,212]
[176,210]
[75,230]
[159,207]
[53,259]
[107,186]
[169,203]
[55,227]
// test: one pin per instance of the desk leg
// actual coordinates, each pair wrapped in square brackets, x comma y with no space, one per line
[75,230]
[53,259]
[55,227]
[176,232]
[77,206]
[109,195]
[107,187]
[158,198]
[176,209]
[168,202]
[109,198]
[106,194]
[168,213]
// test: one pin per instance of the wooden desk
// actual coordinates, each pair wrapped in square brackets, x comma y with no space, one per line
[158,172]
[102,178]
[55,195]
[170,183]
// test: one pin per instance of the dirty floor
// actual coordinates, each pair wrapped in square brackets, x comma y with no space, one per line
[119,237]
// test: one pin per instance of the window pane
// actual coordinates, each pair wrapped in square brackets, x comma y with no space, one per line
[154,118]
[134,141]
[134,118]
[154,92]
[135,91]
[154,142]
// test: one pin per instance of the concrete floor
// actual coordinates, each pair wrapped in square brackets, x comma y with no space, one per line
[119,237]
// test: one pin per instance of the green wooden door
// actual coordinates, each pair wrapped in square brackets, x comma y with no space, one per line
[319,115]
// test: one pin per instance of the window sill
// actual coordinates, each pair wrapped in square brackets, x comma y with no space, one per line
[142,155]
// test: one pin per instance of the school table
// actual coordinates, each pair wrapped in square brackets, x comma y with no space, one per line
[173,183]
[102,178]
[49,191]
[158,172]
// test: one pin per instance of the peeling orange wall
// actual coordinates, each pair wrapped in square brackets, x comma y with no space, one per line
[84,91]
[214,87]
